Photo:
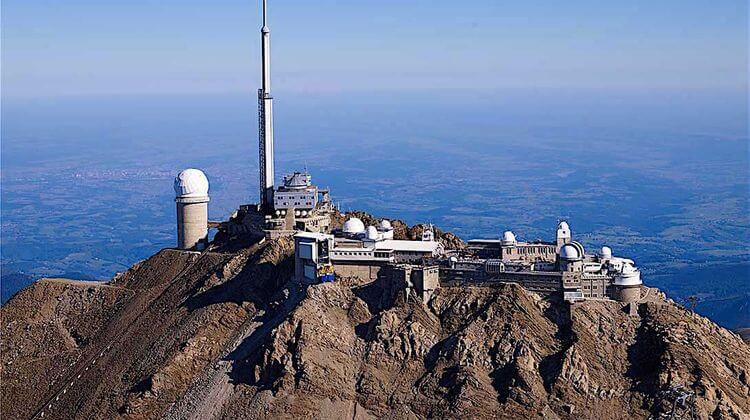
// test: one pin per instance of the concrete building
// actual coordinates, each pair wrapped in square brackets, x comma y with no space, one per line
[296,193]
[191,189]
[299,205]
[546,267]
[363,254]
[359,253]
[312,256]
[509,249]
[416,280]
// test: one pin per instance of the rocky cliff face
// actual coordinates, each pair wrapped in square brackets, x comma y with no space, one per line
[226,334]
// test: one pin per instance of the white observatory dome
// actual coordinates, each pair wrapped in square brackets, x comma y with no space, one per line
[606,252]
[353,226]
[628,276]
[570,252]
[191,183]
[385,225]
[372,233]
[508,238]
[563,226]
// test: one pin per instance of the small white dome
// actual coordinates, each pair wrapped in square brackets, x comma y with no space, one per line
[372,233]
[569,252]
[385,225]
[508,238]
[606,252]
[353,225]
[563,226]
[191,183]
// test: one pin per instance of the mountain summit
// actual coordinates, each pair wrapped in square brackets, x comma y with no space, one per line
[228,333]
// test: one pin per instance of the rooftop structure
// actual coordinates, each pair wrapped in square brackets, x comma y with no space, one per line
[297,192]
[539,265]
[363,254]
[356,252]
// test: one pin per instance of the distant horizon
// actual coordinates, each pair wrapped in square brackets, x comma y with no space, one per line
[185,47]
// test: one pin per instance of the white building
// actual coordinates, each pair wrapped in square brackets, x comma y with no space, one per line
[358,251]
[375,243]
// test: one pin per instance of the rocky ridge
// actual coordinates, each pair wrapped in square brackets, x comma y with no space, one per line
[227,334]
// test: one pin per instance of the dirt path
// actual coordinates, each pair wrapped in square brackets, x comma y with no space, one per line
[127,315]
[206,397]
[84,283]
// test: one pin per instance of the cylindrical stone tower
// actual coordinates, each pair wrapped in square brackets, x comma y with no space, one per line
[628,294]
[628,284]
[191,189]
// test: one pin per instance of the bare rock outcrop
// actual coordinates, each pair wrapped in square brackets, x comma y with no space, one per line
[228,334]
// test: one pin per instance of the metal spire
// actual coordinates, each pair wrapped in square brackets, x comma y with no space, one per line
[265,14]
[265,119]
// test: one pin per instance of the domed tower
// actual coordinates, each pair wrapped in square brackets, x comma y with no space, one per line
[563,234]
[428,234]
[509,239]
[191,190]
[571,257]
[628,283]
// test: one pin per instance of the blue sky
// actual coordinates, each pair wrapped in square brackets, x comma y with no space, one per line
[77,47]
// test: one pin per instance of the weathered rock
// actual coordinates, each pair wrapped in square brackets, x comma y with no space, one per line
[229,335]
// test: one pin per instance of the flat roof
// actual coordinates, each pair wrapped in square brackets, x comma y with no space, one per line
[484,241]
[402,245]
[313,235]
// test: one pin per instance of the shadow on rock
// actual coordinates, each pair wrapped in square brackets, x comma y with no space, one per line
[551,366]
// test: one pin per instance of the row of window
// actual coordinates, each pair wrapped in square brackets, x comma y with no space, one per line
[532,250]
[418,253]
[297,203]
[353,253]
[378,254]
[293,196]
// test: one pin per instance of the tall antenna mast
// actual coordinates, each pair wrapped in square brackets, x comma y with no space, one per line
[265,119]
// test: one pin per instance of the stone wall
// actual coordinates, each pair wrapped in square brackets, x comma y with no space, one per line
[360,274]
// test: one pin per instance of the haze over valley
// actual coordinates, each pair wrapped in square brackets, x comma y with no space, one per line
[661,177]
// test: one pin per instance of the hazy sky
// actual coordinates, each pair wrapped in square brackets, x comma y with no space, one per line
[63,47]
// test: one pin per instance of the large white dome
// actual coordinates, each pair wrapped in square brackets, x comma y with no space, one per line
[353,225]
[628,276]
[191,183]
[570,252]
[508,238]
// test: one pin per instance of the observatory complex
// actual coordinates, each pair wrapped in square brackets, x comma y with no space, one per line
[328,250]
